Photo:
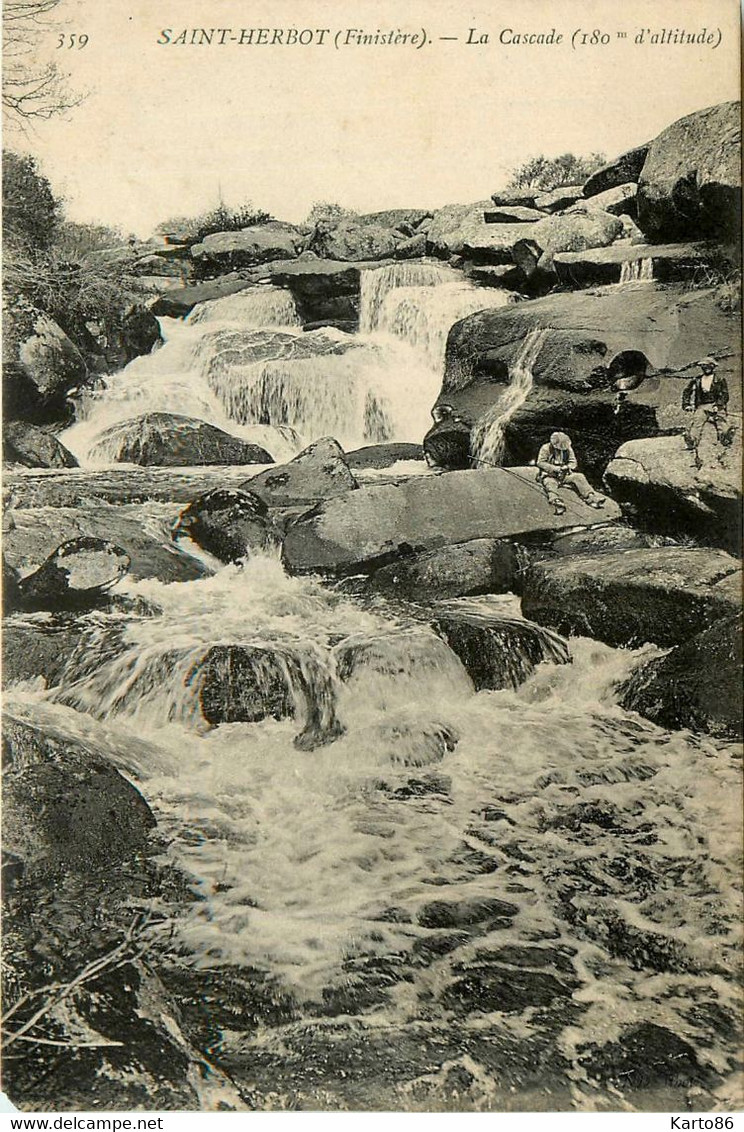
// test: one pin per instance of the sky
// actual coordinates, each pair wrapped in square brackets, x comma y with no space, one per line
[167,129]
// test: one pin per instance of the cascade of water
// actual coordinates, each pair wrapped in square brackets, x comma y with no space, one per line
[377,283]
[488,437]
[637,270]
[255,306]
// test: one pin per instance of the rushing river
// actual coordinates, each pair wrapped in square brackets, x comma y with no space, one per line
[448,899]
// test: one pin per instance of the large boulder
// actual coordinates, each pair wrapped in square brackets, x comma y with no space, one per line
[320,471]
[383,455]
[659,478]
[116,485]
[447,445]
[322,289]
[454,225]
[625,262]
[401,218]
[362,530]
[515,197]
[32,534]
[169,440]
[664,595]
[498,652]
[513,214]
[476,567]
[556,200]
[690,185]
[49,365]
[228,523]
[248,246]
[577,346]
[64,805]
[78,574]
[38,644]
[625,168]
[34,447]
[620,200]
[697,685]
[241,684]
[576,231]
[177,303]
[351,240]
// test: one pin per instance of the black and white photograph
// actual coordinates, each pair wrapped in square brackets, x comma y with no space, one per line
[371,536]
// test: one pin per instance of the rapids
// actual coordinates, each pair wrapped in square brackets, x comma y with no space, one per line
[418,883]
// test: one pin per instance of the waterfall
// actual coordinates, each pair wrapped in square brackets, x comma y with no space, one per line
[255,306]
[637,270]
[489,435]
[377,283]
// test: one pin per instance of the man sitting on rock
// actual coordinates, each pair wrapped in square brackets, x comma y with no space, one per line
[557,467]
[706,397]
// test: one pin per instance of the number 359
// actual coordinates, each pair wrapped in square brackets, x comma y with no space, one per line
[72,40]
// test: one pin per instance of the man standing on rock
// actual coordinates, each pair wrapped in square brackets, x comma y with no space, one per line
[557,467]
[706,397]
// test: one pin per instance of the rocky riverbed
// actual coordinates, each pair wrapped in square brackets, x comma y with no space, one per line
[341,769]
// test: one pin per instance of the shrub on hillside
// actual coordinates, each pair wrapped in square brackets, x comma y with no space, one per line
[546,173]
[31,212]
[193,229]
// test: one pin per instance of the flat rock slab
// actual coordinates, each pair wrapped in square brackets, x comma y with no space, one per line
[112,485]
[36,532]
[604,265]
[663,594]
[374,525]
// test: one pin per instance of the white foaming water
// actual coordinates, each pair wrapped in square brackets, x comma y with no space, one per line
[637,270]
[424,316]
[489,435]
[255,306]
[377,283]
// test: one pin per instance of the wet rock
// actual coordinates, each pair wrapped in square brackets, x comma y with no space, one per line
[167,439]
[625,168]
[464,913]
[645,1056]
[241,684]
[116,486]
[264,242]
[668,262]
[447,445]
[33,447]
[555,200]
[664,595]
[508,990]
[475,567]
[37,531]
[690,185]
[177,303]
[576,231]
[498,652]
[323,289]
[226,522]
[697,685]
[320,471]
[658,477]
[37,646]
[369,528]
[78,574]
[383,455]
[64,804]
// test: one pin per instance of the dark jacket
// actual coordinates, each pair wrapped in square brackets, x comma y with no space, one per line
[694,395]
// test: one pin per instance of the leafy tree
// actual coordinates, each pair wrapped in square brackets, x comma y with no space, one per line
[75,241]
[31,212]
[545,173]
[31,91]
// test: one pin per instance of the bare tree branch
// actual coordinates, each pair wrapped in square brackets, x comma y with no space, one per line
[30,91]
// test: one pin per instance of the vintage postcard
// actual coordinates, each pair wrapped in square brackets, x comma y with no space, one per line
[371,556]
